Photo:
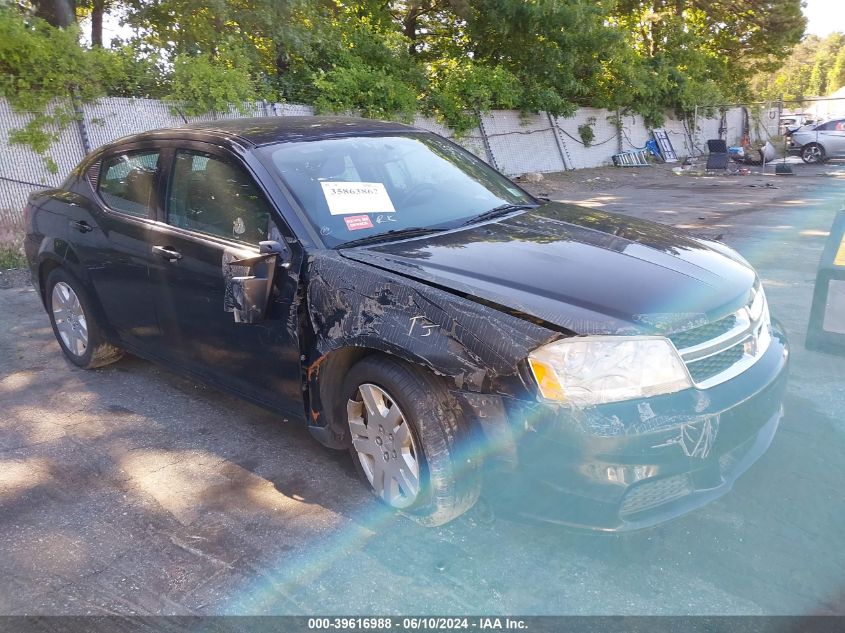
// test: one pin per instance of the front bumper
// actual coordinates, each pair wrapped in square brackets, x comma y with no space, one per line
[631,465]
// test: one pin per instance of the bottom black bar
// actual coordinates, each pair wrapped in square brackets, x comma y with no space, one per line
[530,624]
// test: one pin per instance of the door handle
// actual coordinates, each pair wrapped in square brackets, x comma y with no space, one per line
[82,226]
[165,252]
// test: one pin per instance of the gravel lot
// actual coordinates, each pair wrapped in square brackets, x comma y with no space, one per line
[132,490]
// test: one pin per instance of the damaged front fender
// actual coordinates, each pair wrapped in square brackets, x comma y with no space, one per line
[354,306]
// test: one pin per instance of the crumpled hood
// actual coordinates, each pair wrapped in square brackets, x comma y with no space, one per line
[587,271]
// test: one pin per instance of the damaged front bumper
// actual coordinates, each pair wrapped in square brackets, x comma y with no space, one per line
[634,464]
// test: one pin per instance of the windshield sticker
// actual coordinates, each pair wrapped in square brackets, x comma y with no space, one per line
[381,219]
[357,197]
[358,222]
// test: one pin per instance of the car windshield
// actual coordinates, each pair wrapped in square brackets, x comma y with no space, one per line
[364,186]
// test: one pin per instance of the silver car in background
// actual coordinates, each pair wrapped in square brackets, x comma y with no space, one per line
[816,143]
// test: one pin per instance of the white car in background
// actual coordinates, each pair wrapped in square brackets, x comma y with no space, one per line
[789,123]
[816,143]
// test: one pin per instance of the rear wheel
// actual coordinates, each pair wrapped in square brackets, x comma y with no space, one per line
[74,323]
[813,153]
[409,442]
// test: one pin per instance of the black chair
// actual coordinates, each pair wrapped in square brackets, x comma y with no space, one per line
[718,154]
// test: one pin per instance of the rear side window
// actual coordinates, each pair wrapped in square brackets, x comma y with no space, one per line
[210,195]
[127,182]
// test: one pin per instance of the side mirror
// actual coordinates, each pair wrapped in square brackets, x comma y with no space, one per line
[250,294]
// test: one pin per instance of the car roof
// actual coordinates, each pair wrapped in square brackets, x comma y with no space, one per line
[279,129]
[257,131]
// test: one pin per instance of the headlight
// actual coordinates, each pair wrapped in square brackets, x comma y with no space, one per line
[596,369]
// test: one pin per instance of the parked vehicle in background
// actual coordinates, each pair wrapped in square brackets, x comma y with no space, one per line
[818,142]
[791,122]
[415,307]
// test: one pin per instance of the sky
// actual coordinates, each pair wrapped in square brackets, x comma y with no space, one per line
[825,16]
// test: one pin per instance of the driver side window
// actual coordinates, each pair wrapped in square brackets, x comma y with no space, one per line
[214,196]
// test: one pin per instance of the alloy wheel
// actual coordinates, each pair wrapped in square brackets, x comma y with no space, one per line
[69,318]
[385,445]
[813,154]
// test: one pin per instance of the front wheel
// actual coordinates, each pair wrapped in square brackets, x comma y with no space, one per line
[409,442]
[812,153]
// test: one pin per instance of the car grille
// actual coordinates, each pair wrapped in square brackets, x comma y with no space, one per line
[720,350]
[651,494]
[711,366]
[704,333]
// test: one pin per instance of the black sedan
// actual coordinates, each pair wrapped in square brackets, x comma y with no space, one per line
[415,307]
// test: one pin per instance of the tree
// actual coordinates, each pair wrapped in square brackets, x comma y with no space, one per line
[703,52]
[58,13]
[836,77]
[809,70]
[450,58]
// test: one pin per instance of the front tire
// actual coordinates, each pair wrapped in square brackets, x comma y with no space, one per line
[409,441]
[74,323]
[813,153]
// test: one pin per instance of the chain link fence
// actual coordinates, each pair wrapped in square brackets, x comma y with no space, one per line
[513,142]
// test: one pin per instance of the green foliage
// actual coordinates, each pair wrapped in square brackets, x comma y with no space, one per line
[460,90]
[40,133]
[129,70]
[366,90]
[585,131]
[11,257]
[204,84]
[816,67]
[11,244]
[41,67]
[453,59]
[836,76]
[684,53]
[365,68]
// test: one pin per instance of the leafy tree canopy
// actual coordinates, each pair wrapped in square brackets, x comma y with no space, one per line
[392,58]
[815,68]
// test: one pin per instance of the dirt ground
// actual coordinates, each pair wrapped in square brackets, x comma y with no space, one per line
[132,490]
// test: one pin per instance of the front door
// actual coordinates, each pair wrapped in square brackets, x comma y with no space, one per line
[214,214]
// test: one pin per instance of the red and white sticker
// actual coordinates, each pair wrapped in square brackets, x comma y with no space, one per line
[358,222]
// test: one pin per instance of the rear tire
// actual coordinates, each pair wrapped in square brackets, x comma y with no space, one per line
[409,440]
[813,153]
[74,323]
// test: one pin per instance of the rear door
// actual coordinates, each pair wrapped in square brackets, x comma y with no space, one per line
[831,136]
[215,212]
[110,239]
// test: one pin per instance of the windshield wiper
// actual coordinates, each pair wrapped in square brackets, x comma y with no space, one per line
[502,209]
[393,234]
